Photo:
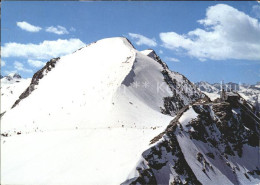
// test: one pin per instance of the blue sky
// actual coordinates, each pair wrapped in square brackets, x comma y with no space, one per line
[205,41]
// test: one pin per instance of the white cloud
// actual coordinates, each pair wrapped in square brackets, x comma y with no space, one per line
[228,34]
[28,27]
[171,59]
[44,50]
[2,63]
[35,63]
[160,51]
[20,67]
[142,40]
[256,11]
[59,30]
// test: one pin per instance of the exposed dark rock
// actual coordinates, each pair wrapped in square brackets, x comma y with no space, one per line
[2,114]
[145,177]
[220,127]
[36,78]
[199,157]
[246,175]
[156,159]
[4,134]
[176,102]
[9,78]
[172,126]
[211,155]
[16,76]
[130,42]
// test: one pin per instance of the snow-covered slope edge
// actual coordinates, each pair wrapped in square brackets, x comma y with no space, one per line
[207,143]
[12,86]
[87,116]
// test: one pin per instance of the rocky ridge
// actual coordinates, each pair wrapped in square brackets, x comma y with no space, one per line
[204,140]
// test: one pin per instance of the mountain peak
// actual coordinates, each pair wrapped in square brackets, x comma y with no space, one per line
[112,88]
[14,75]
[11,77]
[119,40]
[150,53]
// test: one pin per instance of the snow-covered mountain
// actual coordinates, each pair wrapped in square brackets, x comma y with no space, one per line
[207,87]
[109,114]
[250,93]
[91,126]
[206,143]
[257,85]
[12,86]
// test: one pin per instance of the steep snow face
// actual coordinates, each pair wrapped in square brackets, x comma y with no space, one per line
[140,97]
[210,143]
[11,88]
[183,91]
[86,117]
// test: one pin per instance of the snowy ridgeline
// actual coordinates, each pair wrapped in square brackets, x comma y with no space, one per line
[86,118]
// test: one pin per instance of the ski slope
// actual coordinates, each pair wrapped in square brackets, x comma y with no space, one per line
[88,120]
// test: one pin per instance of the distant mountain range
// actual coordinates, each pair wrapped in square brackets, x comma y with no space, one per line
[12,87]
[251,93]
